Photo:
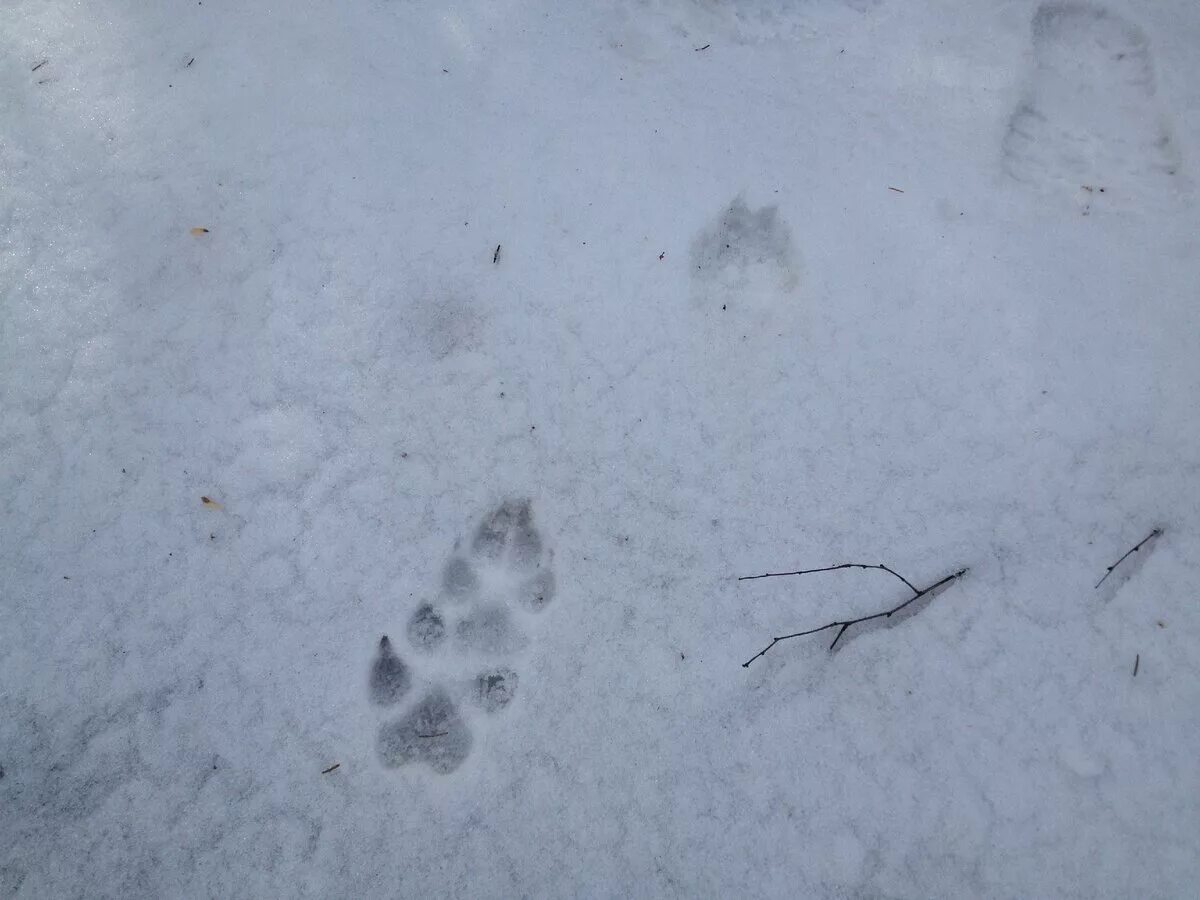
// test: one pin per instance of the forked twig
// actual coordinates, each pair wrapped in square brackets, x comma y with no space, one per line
[1153,534]
[879,566]
[843,625]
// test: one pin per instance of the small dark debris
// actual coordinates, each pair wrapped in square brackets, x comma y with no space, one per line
[1136,662]
[39,65]
[190,61]
[435,734]
[705,47]
[896,189]
[330,769]
[663,254]
[66,578]
[496,255]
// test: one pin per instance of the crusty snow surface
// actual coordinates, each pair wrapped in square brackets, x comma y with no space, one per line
[781,284]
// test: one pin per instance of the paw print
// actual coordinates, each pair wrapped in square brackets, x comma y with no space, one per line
[491,588]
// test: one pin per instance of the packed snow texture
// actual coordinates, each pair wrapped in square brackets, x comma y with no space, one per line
[501,339]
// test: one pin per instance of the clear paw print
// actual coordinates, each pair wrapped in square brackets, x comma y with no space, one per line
[491,588]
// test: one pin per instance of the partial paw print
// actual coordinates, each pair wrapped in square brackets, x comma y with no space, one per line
[491,587]
[745,260]
[1091,120]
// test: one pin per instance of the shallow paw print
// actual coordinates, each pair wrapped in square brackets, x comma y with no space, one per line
[507,561]
[1091,120]
[491,584]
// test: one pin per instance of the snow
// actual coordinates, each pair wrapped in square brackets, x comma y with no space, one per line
[782,285]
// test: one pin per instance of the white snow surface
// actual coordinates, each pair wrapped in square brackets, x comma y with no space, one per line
[781,285]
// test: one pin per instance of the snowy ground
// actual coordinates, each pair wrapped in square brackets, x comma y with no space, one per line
[780,285]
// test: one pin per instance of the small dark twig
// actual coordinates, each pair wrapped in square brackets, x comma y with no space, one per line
[880,566]
[705,47]
[330,769]
[1153,534]
[190,61]
[1136,662]
[845,624]
[39,65]
[496,255]
[435,734]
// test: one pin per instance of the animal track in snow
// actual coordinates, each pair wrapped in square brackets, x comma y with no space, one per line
[745,256]
[1090,120]
[492,585]
[653,29]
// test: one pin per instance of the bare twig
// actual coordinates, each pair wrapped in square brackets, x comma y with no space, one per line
[330,769]
[1136,662]
[39,65]
[1153,534]
[705,47]
[879,566]
[846,623]
[496,255]
[435,734]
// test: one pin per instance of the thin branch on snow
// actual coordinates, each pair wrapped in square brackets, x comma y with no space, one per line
[845,624]
[1151,536]
[880,566]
